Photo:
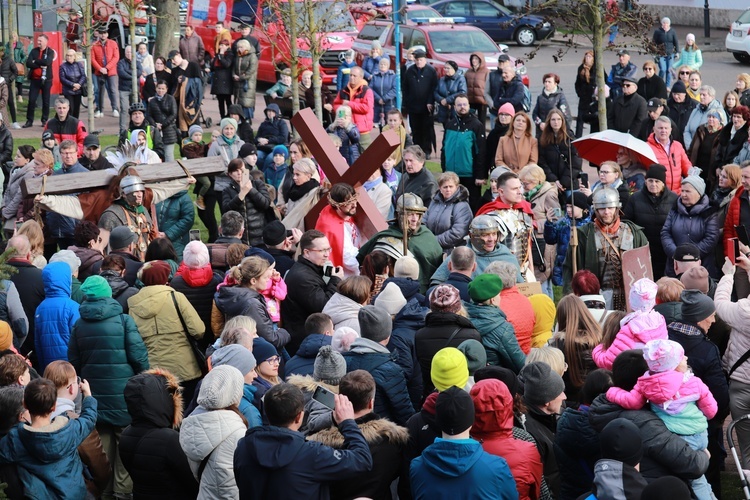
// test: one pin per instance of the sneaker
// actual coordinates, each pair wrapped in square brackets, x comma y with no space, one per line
[15,125]
[28,125]
[20,98]
[116,114]
[98,114]
[200,203]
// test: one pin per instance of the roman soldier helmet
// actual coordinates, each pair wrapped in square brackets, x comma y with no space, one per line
[606,197]
[409,202]
[131,183]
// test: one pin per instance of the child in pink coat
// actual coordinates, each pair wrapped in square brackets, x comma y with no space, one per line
[678,397]
[637,328]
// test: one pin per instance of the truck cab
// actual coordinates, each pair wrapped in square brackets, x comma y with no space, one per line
[116,17]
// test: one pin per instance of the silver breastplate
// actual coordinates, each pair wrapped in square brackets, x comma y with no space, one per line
[516,229]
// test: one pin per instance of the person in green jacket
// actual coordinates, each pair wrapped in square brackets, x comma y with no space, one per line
[106,349]
[175,216]
[498,335]
[422,242]
[600,246]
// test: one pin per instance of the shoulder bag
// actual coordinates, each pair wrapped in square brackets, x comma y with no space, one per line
[200,356]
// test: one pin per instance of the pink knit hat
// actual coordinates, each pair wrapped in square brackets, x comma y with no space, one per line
[507,108]
[643,295]
[445,298]
[663,355]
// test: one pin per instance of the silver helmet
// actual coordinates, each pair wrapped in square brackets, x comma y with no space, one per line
[483,224]
[606,197]
[409,202]
[130,184]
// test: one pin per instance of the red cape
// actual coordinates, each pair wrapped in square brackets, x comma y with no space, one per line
[499,204]
[330,224]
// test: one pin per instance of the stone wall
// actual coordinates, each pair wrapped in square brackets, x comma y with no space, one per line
[693,16]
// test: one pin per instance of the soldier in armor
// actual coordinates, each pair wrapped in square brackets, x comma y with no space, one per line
[128,210]
[516,220]
[421,242]
[485,235]
[600,246]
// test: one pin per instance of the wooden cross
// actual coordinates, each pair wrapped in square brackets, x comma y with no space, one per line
[77,183]
[369,220]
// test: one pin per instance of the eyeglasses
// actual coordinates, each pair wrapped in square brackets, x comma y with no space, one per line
[605,172]
[275,360]
[321,250]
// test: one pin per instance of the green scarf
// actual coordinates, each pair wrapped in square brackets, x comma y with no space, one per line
[533,192]
[228,140]
[140,209]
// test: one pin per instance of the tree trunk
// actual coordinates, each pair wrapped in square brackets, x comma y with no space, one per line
[134,93]
[598,26]
[168,14]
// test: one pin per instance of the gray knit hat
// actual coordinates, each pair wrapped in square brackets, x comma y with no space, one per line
[374,323]
[234,355]
[696,181]
[476,355]
[541,384]
[696,306]
[69,258]
[329,366]
[222,387]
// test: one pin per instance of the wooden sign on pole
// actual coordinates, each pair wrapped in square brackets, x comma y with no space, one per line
[368,219]
[77,183]
[636,264]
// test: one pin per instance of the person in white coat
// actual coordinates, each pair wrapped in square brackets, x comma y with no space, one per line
[343,307]
[210,434]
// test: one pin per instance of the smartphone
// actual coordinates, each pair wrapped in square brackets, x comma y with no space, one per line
[742,234]
[557,212]
[584,179]
[195,235]
[289,233]
[325,397]
[733,249]
[245,176]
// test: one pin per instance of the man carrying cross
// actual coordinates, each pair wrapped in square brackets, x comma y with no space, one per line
[128,210]
[336,221]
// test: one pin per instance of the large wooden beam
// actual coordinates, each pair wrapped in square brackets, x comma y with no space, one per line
[78,183]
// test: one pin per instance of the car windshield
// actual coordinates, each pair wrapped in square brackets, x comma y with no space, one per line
[744,18]
[455,42]
[327,16]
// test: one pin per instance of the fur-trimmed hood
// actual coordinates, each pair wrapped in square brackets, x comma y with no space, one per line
[154,399]
[374,428]
[307,384]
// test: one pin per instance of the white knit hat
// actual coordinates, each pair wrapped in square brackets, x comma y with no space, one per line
[406,267]
[222,387]
[391,299]
[195,255]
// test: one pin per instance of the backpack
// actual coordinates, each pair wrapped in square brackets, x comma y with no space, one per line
[526,99]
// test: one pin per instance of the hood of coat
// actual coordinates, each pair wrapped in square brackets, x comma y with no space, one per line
[87,255]
[409,287]
[116,282]
[411,316]
[341,308]
[58,280]
[697,209]
[649,326]
[150,300]
[367,346]
[461,194]
[499,251]
[233,300]
[546,187]
[99,309]
[275,108]
[493,406]
[154,399]
[448,458]
[482,62]
[374,429]
[312,344]
[44,444]
[661,387]
[307,384]
[617,480]
[484,318]
[202,433]
[196,278]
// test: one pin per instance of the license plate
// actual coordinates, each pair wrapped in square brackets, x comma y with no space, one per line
[737,33]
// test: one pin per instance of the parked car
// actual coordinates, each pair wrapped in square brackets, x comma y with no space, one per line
[738,38]
[497,21]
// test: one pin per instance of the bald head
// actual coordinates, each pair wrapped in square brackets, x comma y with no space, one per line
[20,245]
[463,260]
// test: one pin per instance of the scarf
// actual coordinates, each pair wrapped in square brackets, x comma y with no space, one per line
[530,195]
[390,177]
[608,230]
[140,209]
[296,192]
[228,140]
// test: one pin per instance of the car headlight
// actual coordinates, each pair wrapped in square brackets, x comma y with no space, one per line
[304,54]
[546,25]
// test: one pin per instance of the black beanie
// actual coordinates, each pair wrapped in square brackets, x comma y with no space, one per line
[621,440]
[679,87]
[657,171]
[274,233]
[247,149]
[627,368]
[455,411]
[665,487]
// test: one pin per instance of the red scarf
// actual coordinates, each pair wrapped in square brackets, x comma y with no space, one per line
[608,230]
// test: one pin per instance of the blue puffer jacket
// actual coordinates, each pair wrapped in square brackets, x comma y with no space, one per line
[405,325]
[448,88]
[391,396]
[576,450]
[303,362]
[370,66]
[48,462]
[55,316]
[175,216]
[70,74]
[449,219]
[699,226]
[349,136]
[498,336]
[558,233]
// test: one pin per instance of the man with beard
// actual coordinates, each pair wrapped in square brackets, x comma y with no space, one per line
[600,247]
[516,219]
[128,210]
[92,154]
[336,221]
[421,242]
[464,149]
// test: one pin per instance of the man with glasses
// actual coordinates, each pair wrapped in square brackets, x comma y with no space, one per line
[629,111]
[336,221]
[464,149]
[61,227]
[624,68]
[310,282]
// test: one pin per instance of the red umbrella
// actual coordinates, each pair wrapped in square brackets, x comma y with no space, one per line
[602,146]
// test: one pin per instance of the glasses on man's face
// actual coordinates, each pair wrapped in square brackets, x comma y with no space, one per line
[321,250]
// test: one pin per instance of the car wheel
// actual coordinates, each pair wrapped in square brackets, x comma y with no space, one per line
[742,57]
[525,36]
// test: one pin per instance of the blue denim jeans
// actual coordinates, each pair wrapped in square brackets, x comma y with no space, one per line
[665,74]
[700,486]
[110,83]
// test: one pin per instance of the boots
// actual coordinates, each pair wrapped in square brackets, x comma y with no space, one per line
[200,203]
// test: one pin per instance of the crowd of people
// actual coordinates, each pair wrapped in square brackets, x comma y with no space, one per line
[304,357]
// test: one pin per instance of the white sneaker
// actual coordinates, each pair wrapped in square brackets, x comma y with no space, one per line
[98,114]
[116,114]
[16,125]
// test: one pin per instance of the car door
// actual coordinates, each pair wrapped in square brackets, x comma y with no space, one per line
[496,21]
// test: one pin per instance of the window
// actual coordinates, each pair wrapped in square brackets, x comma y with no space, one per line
[372,32]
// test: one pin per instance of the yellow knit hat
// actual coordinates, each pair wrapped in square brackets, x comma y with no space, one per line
[6,336]
[449,368]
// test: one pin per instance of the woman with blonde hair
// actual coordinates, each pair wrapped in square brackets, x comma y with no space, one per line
[742,87]
[302,195]
[33,232]
[518,147]
[576,336]
[690,55]
[553,356]
[610,175]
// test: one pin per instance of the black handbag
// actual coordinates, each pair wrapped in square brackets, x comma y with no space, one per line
[200,356]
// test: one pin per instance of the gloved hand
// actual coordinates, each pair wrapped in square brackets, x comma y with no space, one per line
[728,268]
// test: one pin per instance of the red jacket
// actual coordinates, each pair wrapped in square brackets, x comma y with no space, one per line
[330,224]
[362,103]
[520,314]
[733,216]
[97,57]
[676,162]
[493,427]
[72,128]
